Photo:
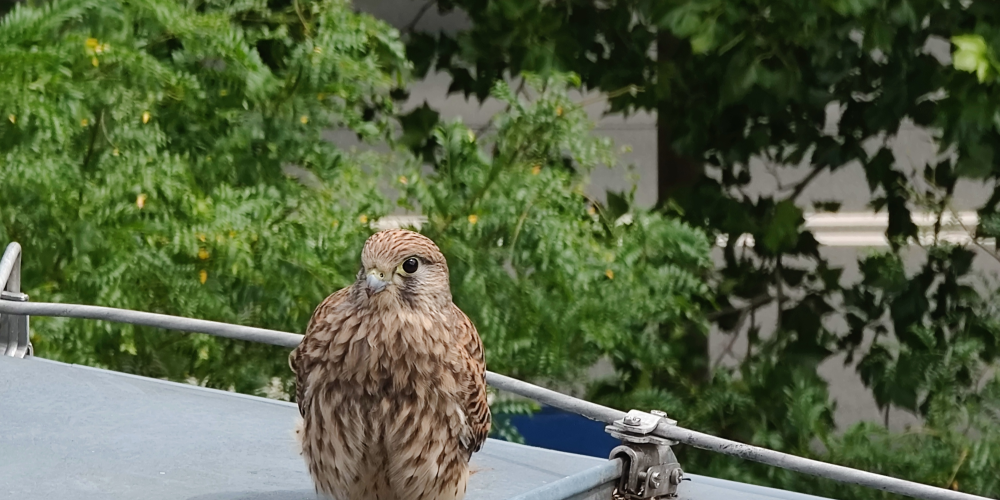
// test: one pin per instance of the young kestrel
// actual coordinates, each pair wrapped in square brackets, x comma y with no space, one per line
[390,380]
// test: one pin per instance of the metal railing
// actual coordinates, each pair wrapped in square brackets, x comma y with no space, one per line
[665,429]
[14,340]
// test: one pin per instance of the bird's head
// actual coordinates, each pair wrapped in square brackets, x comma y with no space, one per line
[402,267]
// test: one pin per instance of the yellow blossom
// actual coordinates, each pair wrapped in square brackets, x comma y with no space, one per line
[232,234]
[203,276]
[12,118]
[609,273]
[304,119]
[84,122]
[94,61]
[201,237]
[473,219]
[145,117]
[591,210]
[115,153]
[202,254]
[318,50]
[537,169]
[223,92]
[472,136]
[334,223]
[402,179]
[363,219]
[559,111]
[140,201]
[91,43]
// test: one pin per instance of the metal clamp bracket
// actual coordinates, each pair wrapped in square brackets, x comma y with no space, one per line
[650,468]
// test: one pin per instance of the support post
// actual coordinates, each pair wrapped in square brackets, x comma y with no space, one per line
[14,334]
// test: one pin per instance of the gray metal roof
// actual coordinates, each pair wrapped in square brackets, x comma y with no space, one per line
[74,432]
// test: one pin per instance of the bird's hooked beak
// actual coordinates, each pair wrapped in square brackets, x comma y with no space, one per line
[375,282]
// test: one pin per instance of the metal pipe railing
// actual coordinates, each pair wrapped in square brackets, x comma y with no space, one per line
[167,322]
[577,484]
[10,268]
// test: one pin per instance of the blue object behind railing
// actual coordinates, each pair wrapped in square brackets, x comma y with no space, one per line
[555,429]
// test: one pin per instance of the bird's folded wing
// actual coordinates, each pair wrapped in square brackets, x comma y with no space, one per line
[477,409]
[304,356]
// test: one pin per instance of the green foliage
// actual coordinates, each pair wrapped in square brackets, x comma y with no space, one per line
[740,80]
[143,160]
[553,280]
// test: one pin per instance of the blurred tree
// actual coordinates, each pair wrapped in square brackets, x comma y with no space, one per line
[565,280]
[169,157]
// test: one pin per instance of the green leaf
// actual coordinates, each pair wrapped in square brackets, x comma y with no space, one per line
[418,125]
[976,163]
[782,233]
[972,55]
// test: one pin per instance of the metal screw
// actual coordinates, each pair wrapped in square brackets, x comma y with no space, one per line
[631,420]
[676,476]
[654,480]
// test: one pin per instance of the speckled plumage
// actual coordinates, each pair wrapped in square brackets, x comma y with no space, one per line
[390,381]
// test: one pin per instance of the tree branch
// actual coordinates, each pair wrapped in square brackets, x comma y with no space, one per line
[412,25]
[804,183]
[756,302]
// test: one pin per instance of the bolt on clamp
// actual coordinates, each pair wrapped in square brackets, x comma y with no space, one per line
[650,468]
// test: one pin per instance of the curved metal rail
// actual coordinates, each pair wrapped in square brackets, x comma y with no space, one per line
[549,397]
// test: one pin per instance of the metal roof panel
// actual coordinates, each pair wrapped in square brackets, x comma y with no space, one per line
[76,432]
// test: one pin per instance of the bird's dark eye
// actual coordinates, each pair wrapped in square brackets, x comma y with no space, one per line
[410,265]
